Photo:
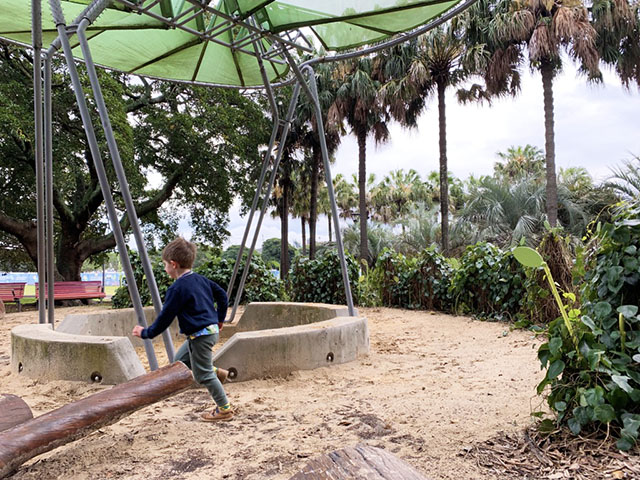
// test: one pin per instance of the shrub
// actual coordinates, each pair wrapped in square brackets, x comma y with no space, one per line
[489,283]
[594,374]
[261,285]
[320,280]
[421,282]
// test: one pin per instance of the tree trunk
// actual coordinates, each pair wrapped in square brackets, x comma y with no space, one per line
[313,201]
[303,223]
[550,148]
[444,180]
[362,193]
[329,225]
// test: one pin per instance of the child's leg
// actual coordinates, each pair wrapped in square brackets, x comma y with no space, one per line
[201,365]
[182,355]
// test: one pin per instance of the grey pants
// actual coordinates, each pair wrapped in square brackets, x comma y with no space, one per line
[196,354]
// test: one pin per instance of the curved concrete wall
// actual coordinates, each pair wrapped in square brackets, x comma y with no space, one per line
[273,339]
[118,323]
[39,352]
[266,315]
[278,352]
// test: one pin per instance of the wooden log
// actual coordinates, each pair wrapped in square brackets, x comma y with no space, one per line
[13,411]
[361,462]
[77,419]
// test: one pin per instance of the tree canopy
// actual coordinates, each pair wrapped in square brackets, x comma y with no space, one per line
[180,145]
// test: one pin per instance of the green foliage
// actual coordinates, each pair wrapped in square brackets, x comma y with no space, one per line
[121,298]
[271,251]
[489,283]
[261,285]
[599,383]
[421,282]
[320,280]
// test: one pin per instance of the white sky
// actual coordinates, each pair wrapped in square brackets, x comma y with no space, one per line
[596,127]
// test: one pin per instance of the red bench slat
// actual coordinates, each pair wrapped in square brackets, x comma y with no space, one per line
[12,292]
[74,290]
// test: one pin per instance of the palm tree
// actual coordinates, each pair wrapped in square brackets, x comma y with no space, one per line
[439,60]
[543,30]
[517,162]
[346,196]
[357,104]
[618,40]
[625,180]
[305,113]
[394,196]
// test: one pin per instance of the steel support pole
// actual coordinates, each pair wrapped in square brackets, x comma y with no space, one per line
[122,180]
[48,170]
[58,17]
[312,93]
[36,34]
[272,179]
[263,173]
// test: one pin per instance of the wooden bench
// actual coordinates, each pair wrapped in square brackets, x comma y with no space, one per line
[75,290]
[12,292]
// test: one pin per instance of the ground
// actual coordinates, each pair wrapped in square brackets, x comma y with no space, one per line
[432,387]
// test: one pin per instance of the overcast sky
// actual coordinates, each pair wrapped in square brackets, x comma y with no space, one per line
[596,127]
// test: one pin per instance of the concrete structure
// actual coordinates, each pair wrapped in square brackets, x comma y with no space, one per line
[118,323]
[270,339]
[39,352]
[278,352]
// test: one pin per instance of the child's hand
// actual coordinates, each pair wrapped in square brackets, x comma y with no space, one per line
[220,325]
[137,331]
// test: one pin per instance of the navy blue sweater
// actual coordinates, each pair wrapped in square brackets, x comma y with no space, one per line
[191,298]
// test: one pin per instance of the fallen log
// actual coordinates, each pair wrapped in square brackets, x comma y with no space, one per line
[13,411]
[361,462]
[77,419]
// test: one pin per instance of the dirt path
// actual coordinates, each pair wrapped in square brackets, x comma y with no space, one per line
[432,386]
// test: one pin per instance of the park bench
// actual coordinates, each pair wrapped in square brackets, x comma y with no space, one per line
[75,290]
[12,292]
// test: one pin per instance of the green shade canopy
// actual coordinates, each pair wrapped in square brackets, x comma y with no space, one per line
[216,43]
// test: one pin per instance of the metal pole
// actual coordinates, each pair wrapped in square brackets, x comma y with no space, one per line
[263,173]
[48,168]
[272,179]
[36,34]
[312,93]
[58,17]
[122,180]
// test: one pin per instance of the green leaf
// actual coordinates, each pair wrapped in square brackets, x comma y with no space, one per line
[594,396]
[546,426]
[590,323]
[605,413]
[628,310]
[555,369]
[555,344]
[602,309]
[574,426]
[528,257]
[560,406]
[625,443]
[623,382]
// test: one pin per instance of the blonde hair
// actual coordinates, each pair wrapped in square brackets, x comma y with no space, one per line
[180,251]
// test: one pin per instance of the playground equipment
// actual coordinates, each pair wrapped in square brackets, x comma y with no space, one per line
[34,436]
[270,339]
[229,43]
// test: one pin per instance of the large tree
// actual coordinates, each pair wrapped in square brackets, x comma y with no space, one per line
[436,61]
[540,31]
[358,104]
[184,149]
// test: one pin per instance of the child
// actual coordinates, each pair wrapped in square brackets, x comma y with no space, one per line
[191,298]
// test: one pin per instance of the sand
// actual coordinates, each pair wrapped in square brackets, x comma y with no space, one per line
[432,386]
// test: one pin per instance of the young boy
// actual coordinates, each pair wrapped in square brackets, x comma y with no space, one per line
[191,298]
